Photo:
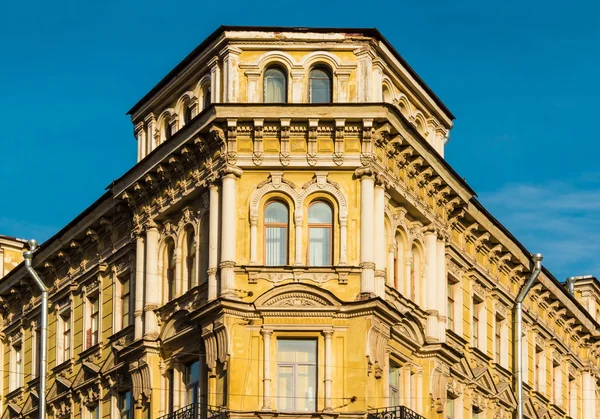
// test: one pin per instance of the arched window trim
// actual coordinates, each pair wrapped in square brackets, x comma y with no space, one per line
[284,73]
[276,225]
[328,71]
[330,226]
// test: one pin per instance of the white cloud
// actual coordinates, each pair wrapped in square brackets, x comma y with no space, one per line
[558,218]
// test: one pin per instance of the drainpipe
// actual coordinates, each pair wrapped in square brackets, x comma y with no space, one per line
[518,331]
[571,284]
[28,256]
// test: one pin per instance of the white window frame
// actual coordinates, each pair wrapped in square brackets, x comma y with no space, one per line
[89,323]
[16,365]
[556,382]
[540,369]
[61,355]
[118,300]
[295,365]
[478,310]
[572,396]
[501,358]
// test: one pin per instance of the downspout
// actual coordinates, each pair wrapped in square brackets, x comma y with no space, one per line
[518,331]
[28,256]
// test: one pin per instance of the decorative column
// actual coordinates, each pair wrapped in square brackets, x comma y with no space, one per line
[343,240]
[367,278]
[152,283]
[230,57]
[442,287]
[298,219]
[380,239]
[328,363]
[228,231]
[215,80]
[213,241]
[297,86]
[430,287]
[377,77]
[364,57]
[150,121]
[253,95]
[140,136]
[266,334]
[391,253]
[139,286]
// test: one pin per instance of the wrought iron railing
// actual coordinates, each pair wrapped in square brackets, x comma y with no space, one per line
[394,412]
[198,411]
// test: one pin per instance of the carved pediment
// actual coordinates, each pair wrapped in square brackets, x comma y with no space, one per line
[297,297]
[59,388]
[462,370]
[505,395]
[483,379]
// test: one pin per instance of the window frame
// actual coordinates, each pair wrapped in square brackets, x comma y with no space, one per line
[190,261]
[64,335]
[450,315]
[16,380]
[283,72]
[294,393]
[170,264]
[267,225]
[92,332]
[125,299]
[328,71]
[476,322]
[393,370]
[330,226]
[122,398]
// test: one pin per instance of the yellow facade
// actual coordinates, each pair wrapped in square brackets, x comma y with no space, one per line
[376,280]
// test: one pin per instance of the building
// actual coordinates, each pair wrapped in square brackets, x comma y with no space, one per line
[11,253]
[292,243]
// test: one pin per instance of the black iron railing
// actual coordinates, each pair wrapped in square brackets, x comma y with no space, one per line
[394,412]
[198,411]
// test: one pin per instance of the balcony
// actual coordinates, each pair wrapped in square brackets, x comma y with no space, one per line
[198,411]
[394,412]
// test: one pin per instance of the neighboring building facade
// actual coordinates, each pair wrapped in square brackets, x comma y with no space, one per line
[292,243]
[11,253]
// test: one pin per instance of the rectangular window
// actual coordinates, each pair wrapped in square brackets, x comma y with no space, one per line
[16,367]
[124,405]
[449,408]
[556,383]
[35,353]
[94,412]
[320,246]
[192,382]
[572,397]
[498,340]
[394,393]
[450,314]
[94,322]
[125,302]
[475,323]
[540,369]
[63,337]
[297,375]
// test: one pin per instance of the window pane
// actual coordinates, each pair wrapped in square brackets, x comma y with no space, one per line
[320,86]
[305,392]
[276,241]
[276,212]
[285,387]
[320,246]
[319,213]
[275,86]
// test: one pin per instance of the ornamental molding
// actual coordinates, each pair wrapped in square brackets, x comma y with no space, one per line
[320,182]
[296,296]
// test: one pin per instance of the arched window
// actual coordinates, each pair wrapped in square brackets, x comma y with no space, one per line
[168,128]
[320,220]
[386,95]
[205,96]
[276,233]
[188,113]
[169,264]
[399,262]
[275,86]
[320,85]
[190,257]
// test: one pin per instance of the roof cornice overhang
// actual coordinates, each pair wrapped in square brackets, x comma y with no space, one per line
[224,34]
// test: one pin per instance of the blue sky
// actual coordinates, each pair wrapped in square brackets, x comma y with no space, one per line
[521,78]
